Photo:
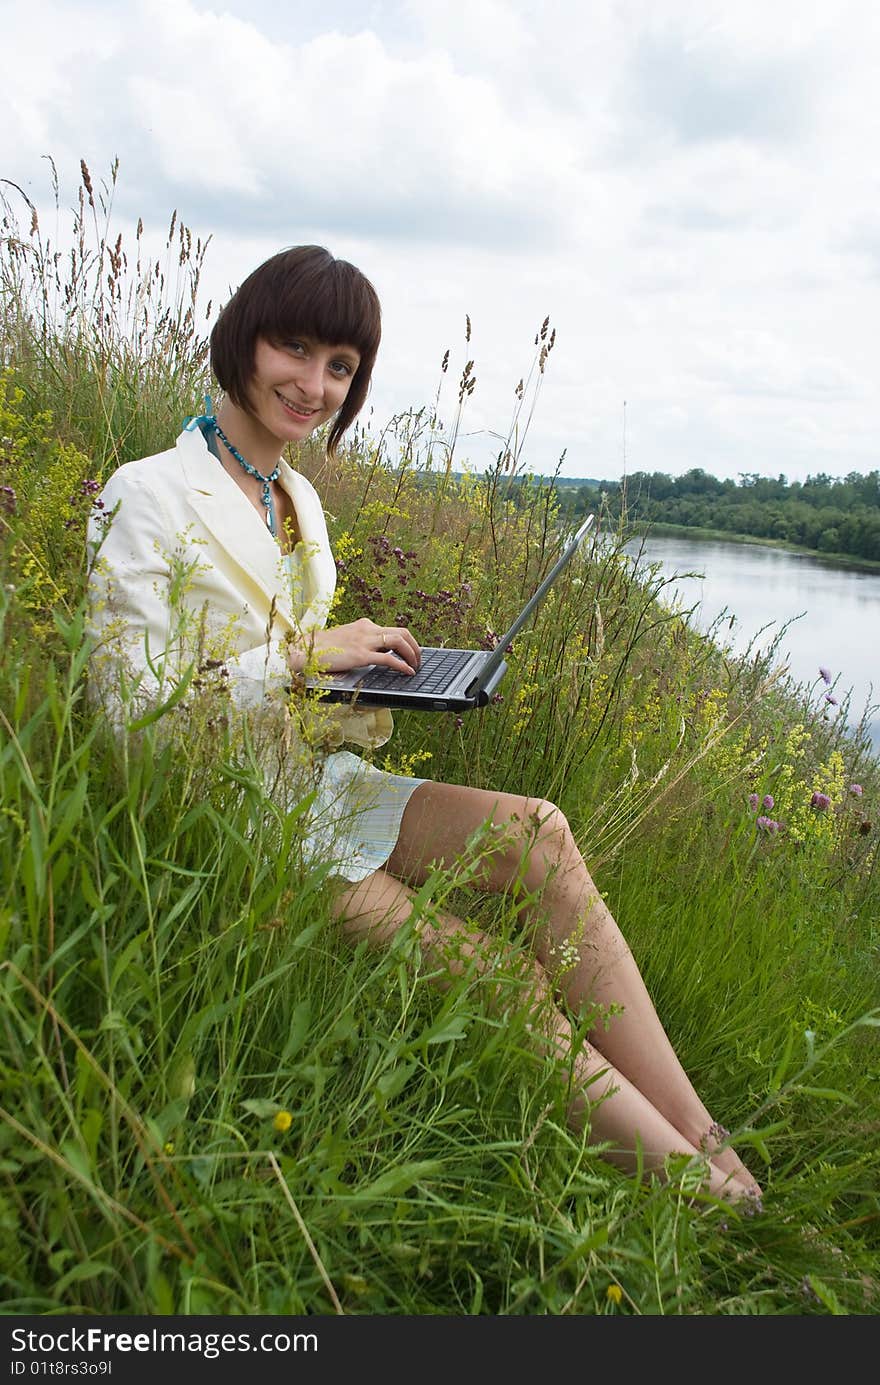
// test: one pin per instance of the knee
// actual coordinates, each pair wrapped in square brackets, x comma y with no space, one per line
[511,976]
[456,947]
[553,853]
[551,829]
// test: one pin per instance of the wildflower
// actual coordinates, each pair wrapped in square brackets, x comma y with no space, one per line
[283,1121]
[767,801]
[565,954]
[753,801]
[168,1147]
[825,675]
[856,790]
[830,698]
[820,800]
[765,824]
[8,499]
[614,1293]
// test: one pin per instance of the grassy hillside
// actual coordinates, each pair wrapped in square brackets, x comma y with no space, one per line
[212,1104]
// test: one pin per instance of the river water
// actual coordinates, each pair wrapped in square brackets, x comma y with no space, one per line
[832,613]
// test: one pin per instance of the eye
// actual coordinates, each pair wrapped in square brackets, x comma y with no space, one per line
[297,348]
[342,369]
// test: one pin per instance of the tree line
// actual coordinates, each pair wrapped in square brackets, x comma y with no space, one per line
[823,513]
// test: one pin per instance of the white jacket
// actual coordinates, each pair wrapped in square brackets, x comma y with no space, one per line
[183,567]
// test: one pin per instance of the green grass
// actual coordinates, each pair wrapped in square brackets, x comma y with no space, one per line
[212,1104]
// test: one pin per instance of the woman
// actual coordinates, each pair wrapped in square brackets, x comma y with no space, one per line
[217,551]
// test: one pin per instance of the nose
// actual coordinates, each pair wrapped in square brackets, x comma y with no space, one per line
[310,379]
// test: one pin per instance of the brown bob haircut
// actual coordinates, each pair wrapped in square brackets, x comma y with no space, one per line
[302,292]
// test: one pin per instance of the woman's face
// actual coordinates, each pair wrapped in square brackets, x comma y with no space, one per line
[300,385]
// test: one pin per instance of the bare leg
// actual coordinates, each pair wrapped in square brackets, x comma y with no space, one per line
[619,1113]
[575,938]
[647,1102]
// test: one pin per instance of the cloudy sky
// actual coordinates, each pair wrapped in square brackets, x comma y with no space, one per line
[688,190]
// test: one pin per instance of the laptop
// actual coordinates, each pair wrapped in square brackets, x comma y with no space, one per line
[448,680]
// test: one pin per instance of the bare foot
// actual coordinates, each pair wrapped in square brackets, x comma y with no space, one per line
[728,1161]
[746,1197]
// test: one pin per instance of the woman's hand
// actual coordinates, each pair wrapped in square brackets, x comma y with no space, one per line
[343,647]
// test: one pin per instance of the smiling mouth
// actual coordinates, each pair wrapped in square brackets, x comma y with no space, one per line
[295,408]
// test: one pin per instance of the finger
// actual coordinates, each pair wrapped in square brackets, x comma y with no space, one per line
[399,639]
[392,660]
[414,647]
[404,650]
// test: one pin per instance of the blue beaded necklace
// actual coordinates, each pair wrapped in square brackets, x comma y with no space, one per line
[207,424]
[252,471]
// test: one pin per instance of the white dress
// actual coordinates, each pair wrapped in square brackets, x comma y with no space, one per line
[179,511]
[354,820]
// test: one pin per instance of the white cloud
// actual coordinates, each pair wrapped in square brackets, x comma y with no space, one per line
[689,190]
[337,130]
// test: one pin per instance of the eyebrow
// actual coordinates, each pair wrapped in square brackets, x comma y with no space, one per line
[348,353]
[338,348]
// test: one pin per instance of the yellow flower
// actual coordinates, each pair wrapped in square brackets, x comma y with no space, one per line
[168,1147]
[614,1293]
[283,1121]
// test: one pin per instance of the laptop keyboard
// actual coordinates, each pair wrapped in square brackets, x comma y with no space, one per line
[438,668]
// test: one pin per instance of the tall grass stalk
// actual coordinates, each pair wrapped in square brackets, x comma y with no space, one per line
[107,339]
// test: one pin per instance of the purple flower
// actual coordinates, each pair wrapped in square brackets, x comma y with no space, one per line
[856,790]
[820,800]
[825,675]
[753,801]
[767,801]
[829,697]
[765,824]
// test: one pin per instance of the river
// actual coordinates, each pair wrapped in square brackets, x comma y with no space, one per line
[832,613]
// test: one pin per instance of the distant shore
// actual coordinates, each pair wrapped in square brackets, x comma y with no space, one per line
[690,532]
